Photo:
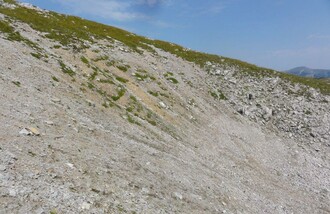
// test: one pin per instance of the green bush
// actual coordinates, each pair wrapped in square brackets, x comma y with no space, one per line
[173,80]
[66,69]
[36,55]
[17,83]
[55,79]
[121,79]
[120,92]
[153,93]
[123,68]
[84,60]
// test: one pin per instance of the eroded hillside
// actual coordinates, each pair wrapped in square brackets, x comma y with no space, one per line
[99,120]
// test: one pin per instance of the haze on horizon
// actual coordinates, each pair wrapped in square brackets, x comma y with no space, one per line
[276,34]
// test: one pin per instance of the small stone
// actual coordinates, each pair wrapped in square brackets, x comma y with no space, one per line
[145,190]
[85,206]
[40,211]
[233,81]
[34,131]
[267,113]
[217,72]
[12,193]
[70,165]
[25,132]
[162,104]
[2,168]
[225,72]
[177,196]
[48,122]
[56,100]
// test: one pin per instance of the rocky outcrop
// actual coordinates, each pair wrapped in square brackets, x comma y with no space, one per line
[295,110]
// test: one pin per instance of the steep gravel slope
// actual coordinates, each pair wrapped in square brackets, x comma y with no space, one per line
[128,132]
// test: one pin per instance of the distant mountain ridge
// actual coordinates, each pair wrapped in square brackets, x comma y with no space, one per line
[309,72]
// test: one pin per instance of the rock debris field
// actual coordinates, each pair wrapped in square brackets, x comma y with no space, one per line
[108,129]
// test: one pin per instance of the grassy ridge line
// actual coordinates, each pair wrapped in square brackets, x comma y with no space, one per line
[71,30]
[201,58]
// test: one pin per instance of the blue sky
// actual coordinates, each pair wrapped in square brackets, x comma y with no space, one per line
[278,34]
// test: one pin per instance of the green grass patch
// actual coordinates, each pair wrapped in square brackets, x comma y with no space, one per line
[10,1]
[130,108]
[218,95]
[66,69]
[173,80]
[100,58]
[36,55]
[123,68]
[155,94]
[57,46]
[107,81]
[121,79]
[5,27]
[90,85]
[17,83]
[164,95]
[13,35]
[133,98]
[131,120]
[142,75]
[105,105]
[120,92]
[152,122]
[84,60]
[169,77]
[55,79]
[142,71]
[168,74]
[110,63]
[93,75]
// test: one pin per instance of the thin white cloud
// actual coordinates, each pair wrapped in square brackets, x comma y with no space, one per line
[304,52]
[318,36]
[204,9]
[162,24]
[109,9]
[119,10]
[150,2]
[214,9]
